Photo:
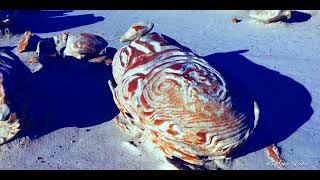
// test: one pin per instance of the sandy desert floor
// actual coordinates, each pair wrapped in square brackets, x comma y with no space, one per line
[73,127]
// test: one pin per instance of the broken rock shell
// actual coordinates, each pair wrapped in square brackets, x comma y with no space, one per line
[270,16]
[137,30]
[24,41]
[83,45]
[27,42]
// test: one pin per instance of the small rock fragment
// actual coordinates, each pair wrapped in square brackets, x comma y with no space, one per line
[137,30]
[27,42]
[97,59]
[270,16]
[273,155]
[235,19]
[24,41]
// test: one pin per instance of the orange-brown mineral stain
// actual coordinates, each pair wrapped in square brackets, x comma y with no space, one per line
[88,47]
[133,85]
[87,35]
[108,62]
[148,113]
[158,122]
[185,155]
[168,148]
[97,59]
[172,132]
[23,42]
[33,60]
[144,102]
[138,27]
[75,45]
[202,136]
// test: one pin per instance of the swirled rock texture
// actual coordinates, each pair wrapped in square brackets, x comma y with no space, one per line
[180,99]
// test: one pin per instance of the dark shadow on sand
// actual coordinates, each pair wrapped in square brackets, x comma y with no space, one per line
[298,17]
[16,82]
[42,21]
[70,93]
[285,105]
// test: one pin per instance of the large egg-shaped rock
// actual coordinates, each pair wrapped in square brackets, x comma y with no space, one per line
[180,99]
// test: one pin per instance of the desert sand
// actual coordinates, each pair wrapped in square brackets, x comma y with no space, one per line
[72,127]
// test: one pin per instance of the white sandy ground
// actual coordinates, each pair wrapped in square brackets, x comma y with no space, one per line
[291,49]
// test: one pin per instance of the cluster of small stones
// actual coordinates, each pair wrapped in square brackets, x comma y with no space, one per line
[79,46]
